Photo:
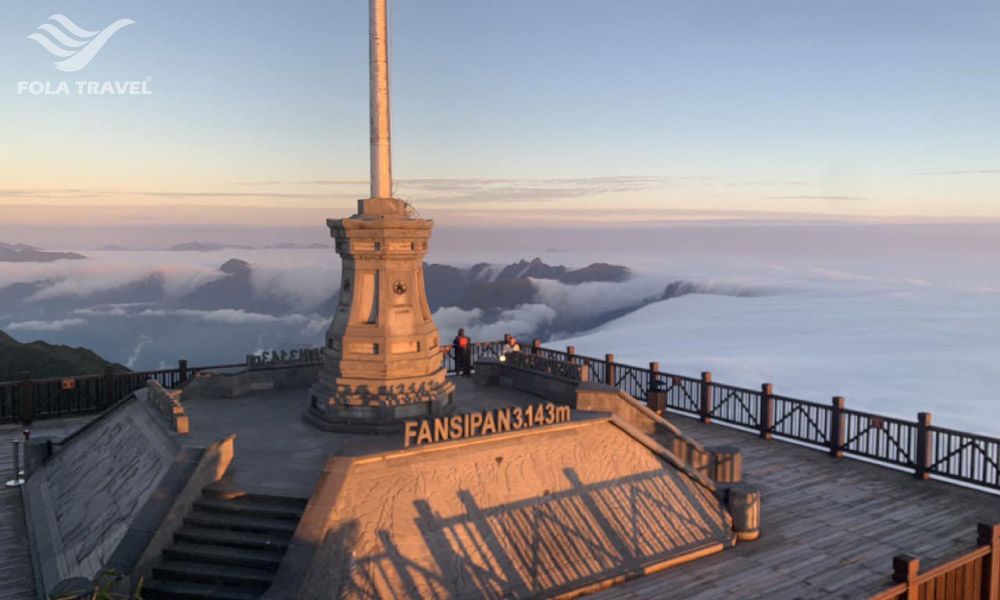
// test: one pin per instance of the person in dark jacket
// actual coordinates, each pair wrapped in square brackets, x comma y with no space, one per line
[463,353]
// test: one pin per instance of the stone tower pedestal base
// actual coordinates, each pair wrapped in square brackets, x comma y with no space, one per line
[382,362]
[369,406]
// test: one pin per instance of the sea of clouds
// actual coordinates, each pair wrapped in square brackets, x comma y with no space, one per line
[895,329]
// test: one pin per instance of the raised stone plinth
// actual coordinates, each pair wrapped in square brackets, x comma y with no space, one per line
[533,513]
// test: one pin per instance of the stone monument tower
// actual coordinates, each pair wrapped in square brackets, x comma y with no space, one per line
[382,362]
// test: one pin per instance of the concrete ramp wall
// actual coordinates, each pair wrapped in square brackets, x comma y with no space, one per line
[535,513]
[82,500]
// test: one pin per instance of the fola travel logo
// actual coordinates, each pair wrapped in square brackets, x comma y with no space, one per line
[77,47]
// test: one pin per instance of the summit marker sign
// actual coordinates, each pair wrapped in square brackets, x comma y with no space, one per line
[501,420]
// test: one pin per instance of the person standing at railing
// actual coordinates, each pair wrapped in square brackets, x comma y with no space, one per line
[510,344]
[463,353]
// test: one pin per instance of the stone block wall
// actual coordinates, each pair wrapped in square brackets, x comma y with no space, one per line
[233,384]
[168,403]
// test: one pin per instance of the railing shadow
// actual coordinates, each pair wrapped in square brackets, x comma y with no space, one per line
[541,546]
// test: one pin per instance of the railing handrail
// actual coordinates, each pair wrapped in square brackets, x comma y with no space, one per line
[873,436]
[880,438]
[949,580]
[883,418]
[732,388]
[961,561]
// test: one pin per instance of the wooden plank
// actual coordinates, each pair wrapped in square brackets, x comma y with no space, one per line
[819,512]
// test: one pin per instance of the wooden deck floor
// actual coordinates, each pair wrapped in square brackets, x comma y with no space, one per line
[17,581]
[829,527]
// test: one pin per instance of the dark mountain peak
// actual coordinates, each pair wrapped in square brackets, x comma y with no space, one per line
[477,270]
[598,272]
[444,285]
[235,266]
[536,269]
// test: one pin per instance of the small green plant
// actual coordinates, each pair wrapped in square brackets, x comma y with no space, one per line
[103,589]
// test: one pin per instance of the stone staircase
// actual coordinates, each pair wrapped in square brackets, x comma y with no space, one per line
[228,549]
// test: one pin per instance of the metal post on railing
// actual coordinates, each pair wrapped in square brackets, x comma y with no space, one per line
[924,446]
[906,569]
[27,436]
[766,410]
[989,535]
[656,398]
[109,386]
[27,399]
[706,397]
[837,427]
[18,479]
[609,370]
[182,366]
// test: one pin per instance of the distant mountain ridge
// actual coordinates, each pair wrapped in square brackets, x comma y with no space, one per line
[17,247]
[506,286]
[481,286]
[43,360]
[206,247]
[538,269]
[149,318]
[26,253]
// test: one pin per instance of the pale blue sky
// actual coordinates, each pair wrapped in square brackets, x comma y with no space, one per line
[871,108]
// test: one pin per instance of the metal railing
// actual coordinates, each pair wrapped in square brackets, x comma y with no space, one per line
[27,399]
[918,445]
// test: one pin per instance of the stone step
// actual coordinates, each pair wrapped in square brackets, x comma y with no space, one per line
[254,507]
[167,589]
[226,491]
[233,539]
[240,523]
[219,575]
[221,555]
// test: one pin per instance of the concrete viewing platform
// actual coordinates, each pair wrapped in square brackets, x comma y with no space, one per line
[829,527]
[279,453]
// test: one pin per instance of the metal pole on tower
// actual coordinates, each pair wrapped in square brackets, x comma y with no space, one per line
[381,149]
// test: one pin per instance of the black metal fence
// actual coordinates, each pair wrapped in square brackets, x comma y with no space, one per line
[28,399]
[916,445]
